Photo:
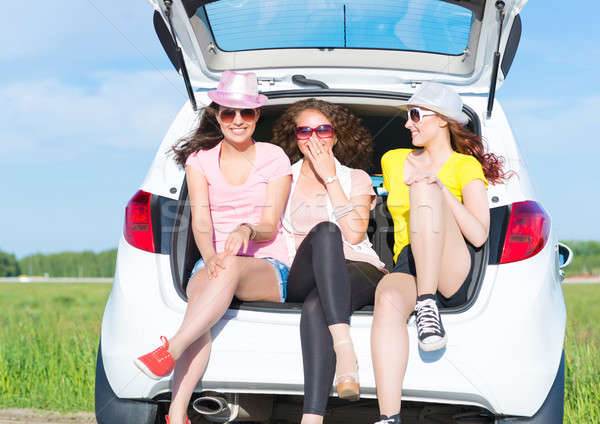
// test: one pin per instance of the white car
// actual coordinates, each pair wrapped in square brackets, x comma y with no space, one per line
[504,359]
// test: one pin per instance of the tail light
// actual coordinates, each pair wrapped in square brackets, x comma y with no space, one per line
[527,233]
[138,222]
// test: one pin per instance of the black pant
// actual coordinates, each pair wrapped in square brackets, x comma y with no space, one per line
[331,288]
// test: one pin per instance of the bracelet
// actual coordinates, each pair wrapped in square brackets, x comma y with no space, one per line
[252,230]
[341,211]
[331,179]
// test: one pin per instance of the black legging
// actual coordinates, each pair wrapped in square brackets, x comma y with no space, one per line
[331,288]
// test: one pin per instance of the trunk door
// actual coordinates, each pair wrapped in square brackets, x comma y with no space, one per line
[344,44]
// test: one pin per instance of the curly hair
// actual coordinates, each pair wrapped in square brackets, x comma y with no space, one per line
[354,146]
[467,142]
[206,136]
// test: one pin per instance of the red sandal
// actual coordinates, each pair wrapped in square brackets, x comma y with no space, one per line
[187,420]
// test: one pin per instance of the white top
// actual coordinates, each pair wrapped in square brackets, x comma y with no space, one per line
[363,247]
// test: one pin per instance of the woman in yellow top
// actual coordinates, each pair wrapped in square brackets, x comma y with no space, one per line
[438,201]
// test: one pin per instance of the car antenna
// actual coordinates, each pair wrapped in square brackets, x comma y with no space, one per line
[500,6]
[182,67]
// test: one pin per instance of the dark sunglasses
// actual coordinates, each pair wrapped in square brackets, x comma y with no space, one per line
[228,115]
[415,114]
[322,131]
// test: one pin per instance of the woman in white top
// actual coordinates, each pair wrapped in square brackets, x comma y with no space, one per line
[334,270]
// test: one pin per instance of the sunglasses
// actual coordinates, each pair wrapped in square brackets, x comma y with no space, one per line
[415,114]
[228,115]
[322,131]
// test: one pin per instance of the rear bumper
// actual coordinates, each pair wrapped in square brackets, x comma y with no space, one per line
[502,354]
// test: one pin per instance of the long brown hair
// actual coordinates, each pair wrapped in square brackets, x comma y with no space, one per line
[467,142]
[205,137]
[354,143]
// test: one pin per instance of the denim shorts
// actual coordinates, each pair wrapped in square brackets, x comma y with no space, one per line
[281,271]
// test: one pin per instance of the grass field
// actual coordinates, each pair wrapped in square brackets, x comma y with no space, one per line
[582,348]
[49,336]
[48,343]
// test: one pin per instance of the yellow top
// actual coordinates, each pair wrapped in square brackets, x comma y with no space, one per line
[455,174]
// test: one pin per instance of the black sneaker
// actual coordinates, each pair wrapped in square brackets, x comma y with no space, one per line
[432,335]
[394,419]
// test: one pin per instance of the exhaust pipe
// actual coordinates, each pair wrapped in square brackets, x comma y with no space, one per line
[216,408]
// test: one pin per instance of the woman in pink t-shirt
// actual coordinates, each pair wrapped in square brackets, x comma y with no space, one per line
[237,189]
[334,270]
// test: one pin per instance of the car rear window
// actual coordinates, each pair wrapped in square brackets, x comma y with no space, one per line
[416,25]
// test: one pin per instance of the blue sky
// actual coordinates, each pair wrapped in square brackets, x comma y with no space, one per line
[87,94]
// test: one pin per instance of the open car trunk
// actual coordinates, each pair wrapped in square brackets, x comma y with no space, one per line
[341,42]
[386,124]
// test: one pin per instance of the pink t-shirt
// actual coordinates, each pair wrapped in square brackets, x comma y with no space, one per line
[307,212]
[231,205]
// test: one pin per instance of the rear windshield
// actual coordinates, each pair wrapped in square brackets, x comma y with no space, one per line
[417,25]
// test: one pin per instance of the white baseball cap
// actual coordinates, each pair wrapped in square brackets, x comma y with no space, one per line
[439,98]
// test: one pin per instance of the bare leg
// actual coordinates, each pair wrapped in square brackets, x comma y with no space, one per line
[251,278]
[441,256]
[311,419]
[256,280]
[188,371]
[442,261]
[394,302]
[456,259]
[426,234]
[345,363]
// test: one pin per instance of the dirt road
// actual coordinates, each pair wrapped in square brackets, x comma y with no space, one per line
[29,416]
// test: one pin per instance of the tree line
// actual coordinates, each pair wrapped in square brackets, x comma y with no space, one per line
[85,264]
[586,257]
[89,264]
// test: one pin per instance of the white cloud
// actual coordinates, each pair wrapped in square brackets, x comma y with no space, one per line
[123,109]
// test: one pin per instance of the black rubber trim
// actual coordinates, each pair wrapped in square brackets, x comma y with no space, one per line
[191,6]
[163,211]
[511,45]
[499,218]
[111,409]
[177,242]
[166,40]
[475,6]
[156,224]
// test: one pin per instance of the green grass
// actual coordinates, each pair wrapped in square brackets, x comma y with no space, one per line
[582,347]
[49,336]
[48,342]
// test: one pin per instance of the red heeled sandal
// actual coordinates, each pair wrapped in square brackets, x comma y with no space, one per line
[187,420]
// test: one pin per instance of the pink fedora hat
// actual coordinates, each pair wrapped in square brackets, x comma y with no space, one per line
[238,90]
